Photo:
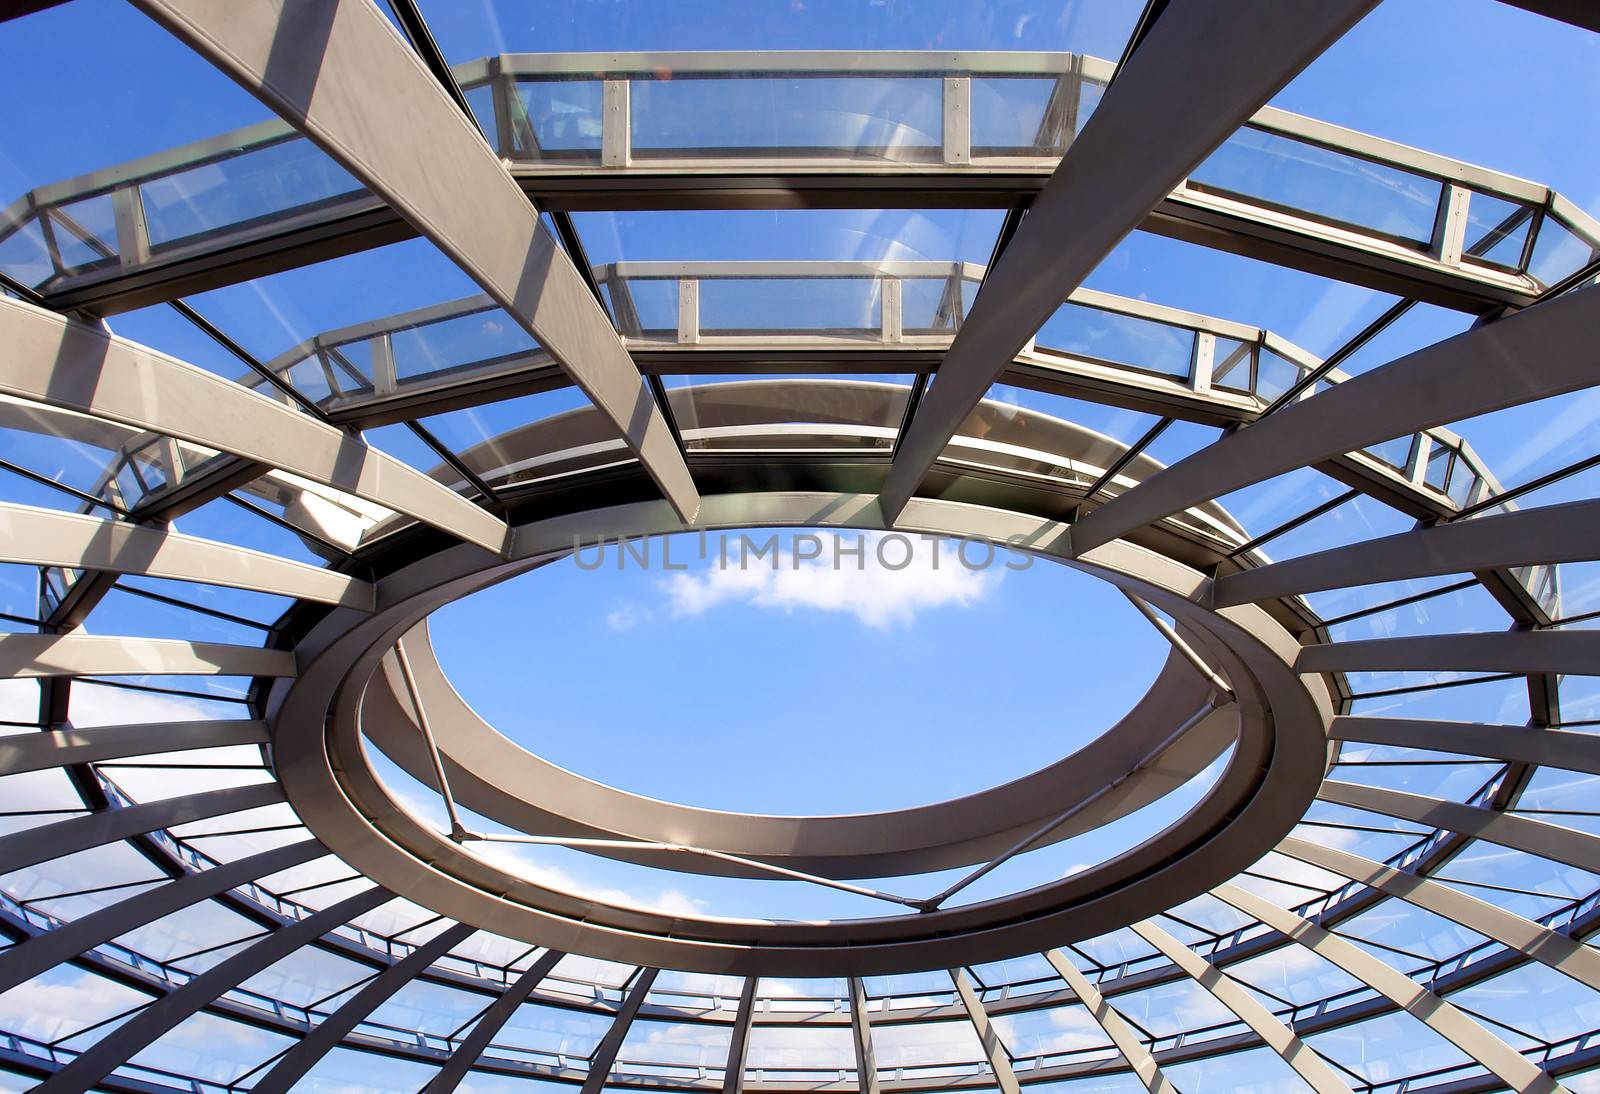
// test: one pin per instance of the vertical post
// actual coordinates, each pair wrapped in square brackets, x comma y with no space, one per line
[616,124]
[890,310]
[133,233]
[503,91]
[739,1043]
[627,314]
[958,119]
[384,378]
[1417,464]
[1205,353]
[1070,88]
[999,1059]
[171,458]
[688,310]
[861,1030]
[1450,226]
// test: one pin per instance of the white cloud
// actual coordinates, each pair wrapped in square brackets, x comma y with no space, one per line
[627,617]
[62,1001]
[516,860]
[19,700]
[98,705]
[895,578]
[519,860]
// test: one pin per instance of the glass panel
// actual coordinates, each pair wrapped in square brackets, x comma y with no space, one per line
[874,117]
[843,305]
[527,438]
[1386,1049]
[1497,230]
[785,1052]
[288,175]
[925,1045]
[1118,339]
[556,119]
[197,152]
[1022,114]
[1558,252]
[473,31]
[1258,1071]
[674,1049]
[722,412]
[1322,183]
[1055,1031]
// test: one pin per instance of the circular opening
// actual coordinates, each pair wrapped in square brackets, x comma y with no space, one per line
[799,673]
[533,848]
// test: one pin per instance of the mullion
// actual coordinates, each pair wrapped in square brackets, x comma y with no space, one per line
[1404,601]
[268,514]
[181,693]
[1437,685]
[1290,525]
[176,602]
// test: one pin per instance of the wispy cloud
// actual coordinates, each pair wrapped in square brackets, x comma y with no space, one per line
[98,705]
[626,617]
[519,861]
[878,591]
[523,861]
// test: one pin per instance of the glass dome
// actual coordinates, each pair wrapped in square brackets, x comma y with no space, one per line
[802,546]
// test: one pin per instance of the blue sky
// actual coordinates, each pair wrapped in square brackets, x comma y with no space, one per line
[964,691]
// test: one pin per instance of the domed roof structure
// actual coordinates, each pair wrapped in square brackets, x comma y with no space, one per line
[823,546]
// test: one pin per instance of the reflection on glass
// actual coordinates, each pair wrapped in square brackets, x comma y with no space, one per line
[877,117]
[728,412]
[1119,339]
[1329,185]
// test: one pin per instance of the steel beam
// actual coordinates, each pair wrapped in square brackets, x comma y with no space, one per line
[1535,837]
[1237,998]
[44,951]
[60,747]
[605,1053]
[315,62]
[1205,67]
[993,1049]
[1579,13]
[1567,749]
[1123,1035]
[1457,378]
[1572,651]
[1558,951]
[60,362]
[58,838]
[36,655]
[295,1064]
[861,1039]
[1527,537]
[1454,1025]
[739,1043]
[145,1027]
[47,537]
[492,1021]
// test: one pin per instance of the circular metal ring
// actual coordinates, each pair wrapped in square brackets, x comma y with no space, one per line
[1270,779]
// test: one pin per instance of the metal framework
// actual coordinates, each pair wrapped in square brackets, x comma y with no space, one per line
[795,435]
